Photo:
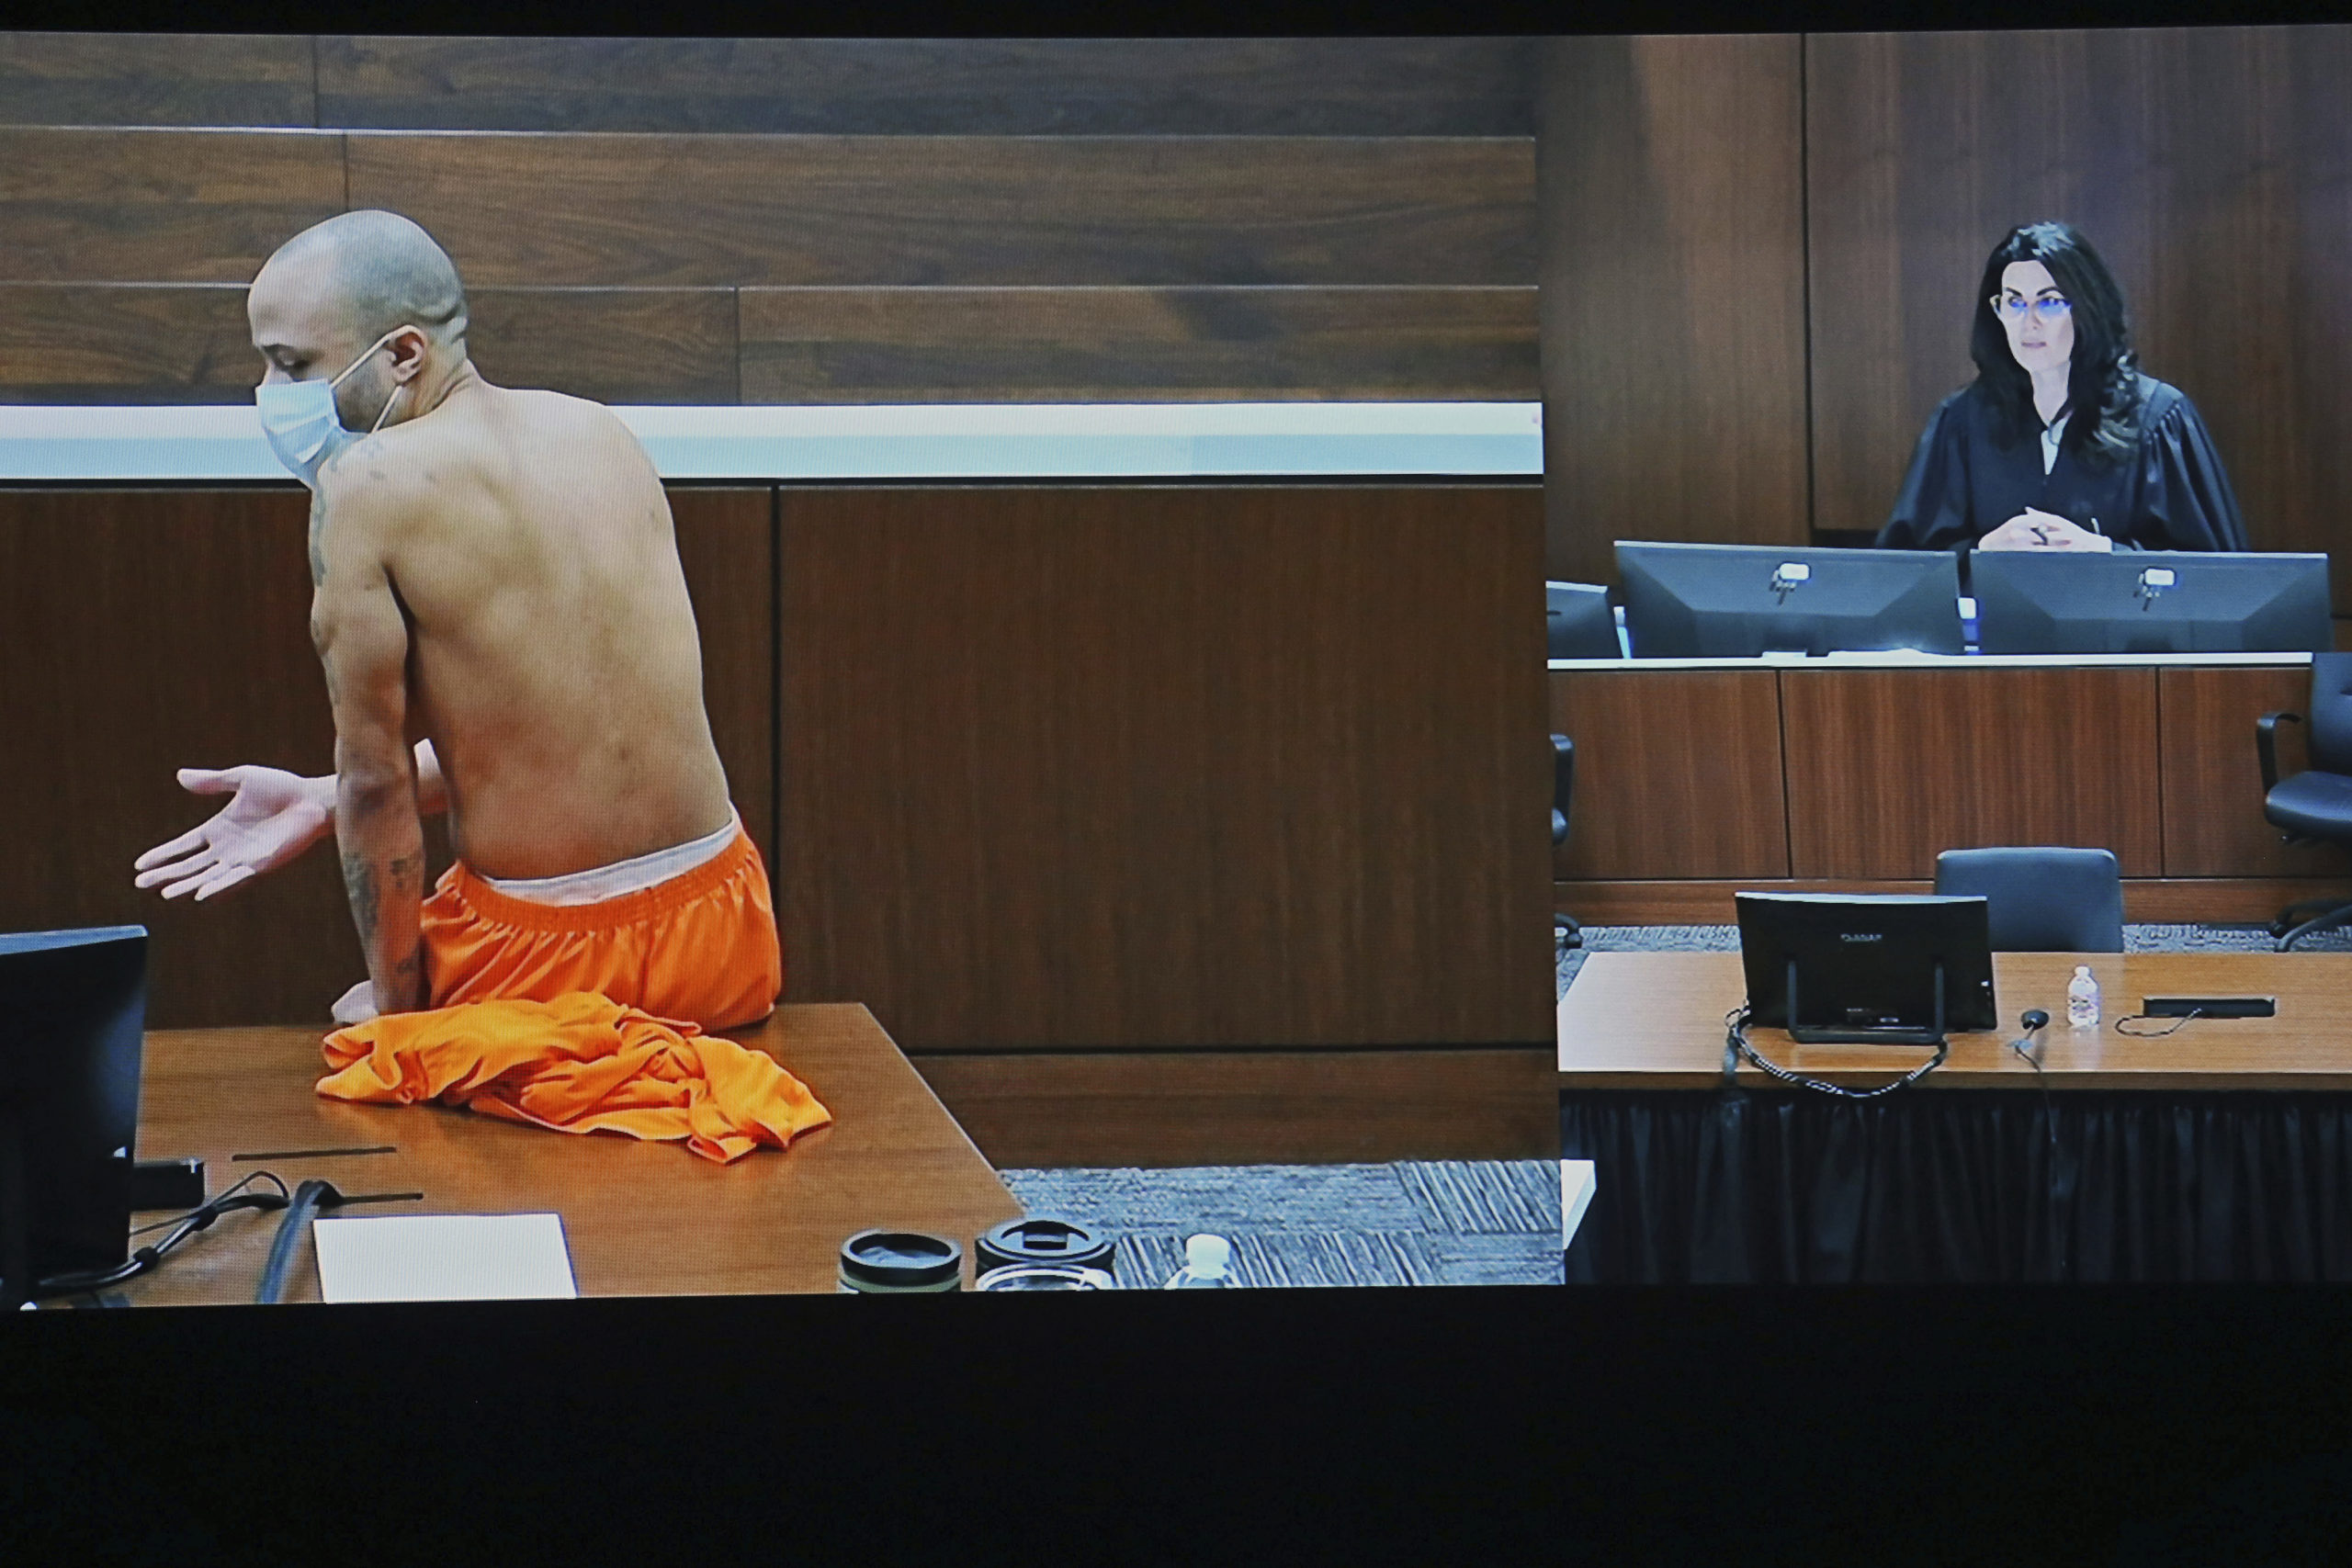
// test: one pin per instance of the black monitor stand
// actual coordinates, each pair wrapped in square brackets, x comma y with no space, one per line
[1933,1035]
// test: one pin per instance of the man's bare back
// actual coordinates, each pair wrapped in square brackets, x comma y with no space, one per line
[553,660]
[500,613]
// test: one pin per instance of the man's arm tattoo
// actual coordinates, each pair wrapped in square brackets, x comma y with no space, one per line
[404,874]
[359,881]
[318,539]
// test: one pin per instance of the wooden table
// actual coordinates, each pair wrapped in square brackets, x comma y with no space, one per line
[2220,1152]
[640,1218]
[1655,1021]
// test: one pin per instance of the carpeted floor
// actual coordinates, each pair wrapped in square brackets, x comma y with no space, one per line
[2136,939]
[1414,1222]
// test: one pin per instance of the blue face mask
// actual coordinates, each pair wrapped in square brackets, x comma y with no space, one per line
[300,418]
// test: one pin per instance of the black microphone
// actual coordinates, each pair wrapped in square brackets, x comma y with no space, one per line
[2033,1021]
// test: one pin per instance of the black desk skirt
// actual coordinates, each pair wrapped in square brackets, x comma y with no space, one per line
[1960,1185]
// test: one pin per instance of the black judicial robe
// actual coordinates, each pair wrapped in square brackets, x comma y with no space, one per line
[2171,495]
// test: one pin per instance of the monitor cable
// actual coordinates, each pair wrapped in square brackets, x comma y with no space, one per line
[151,1255]
[1737,1046]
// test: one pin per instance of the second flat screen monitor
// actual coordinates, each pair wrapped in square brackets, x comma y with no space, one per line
[1737,601]
[2152,601]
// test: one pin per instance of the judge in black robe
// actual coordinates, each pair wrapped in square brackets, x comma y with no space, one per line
[2172,493]
[2060,443]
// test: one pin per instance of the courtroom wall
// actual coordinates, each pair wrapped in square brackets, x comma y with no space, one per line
[665,221]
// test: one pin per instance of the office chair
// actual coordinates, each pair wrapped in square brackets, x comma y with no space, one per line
[2042,901]
[2315,805]
[1564,930]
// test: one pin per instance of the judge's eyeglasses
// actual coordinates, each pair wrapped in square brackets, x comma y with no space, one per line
[2015,308]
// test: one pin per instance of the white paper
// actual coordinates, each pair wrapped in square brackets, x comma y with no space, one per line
[444,1258]
[1575,1195]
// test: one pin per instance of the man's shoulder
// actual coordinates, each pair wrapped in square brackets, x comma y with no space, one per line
[557,411]
[368,487]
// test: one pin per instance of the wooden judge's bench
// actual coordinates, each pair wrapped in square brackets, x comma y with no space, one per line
[1698,777]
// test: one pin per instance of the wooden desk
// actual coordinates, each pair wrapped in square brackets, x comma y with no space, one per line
[2222,1152]
[1698,777]
[1655,1021]
[640,1218]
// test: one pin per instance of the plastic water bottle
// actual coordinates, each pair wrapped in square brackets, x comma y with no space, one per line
[1206,1265]
[2082,999]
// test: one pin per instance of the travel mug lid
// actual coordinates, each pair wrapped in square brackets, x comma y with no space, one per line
[899,1259]
[1042,1239]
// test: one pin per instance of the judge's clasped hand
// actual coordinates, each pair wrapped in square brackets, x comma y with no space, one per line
[2034,529]
[272,816]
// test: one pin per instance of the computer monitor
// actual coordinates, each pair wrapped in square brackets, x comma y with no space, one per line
[2151,602]
[1581,624]
[73,1007]
[1881,969]
[1737,601]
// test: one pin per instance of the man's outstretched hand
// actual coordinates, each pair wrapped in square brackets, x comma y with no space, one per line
[272,816]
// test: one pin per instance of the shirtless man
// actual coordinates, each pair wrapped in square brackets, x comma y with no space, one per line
[497,582]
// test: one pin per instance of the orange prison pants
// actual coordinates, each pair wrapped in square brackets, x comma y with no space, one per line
[700,948]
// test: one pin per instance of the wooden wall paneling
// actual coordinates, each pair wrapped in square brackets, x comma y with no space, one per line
[96,206]
[1165,766]
[103,343]
[149,631]
[1131,1108]
[1430,86]
[1118,344]
[1678,773]
[685,211]
[2212,780]
[155,79]
[1887,768]
[1673,295]
[615,346]
[2208,166]
[188,343]
[726,543]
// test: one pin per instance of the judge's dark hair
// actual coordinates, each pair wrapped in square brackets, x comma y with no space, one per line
[2102,382]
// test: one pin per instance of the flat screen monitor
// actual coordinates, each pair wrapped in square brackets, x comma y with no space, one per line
[1882,968]
[2151,602]
[1581,624]
[73,1007]
[1738,601]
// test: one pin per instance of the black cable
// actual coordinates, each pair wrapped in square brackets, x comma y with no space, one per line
[222,1197]
[1736,1046]
[2034,1023]
[2152,1033]
[150,1257]
[308,1199]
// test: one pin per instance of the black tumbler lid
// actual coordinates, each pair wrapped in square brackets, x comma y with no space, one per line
[899,1259]
[1041,1238]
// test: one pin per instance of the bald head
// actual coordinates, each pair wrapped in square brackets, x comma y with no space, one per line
[370,272]
[339,291]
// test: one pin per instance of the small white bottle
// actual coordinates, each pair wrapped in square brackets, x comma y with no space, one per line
[2082,998]
[1207,1260]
